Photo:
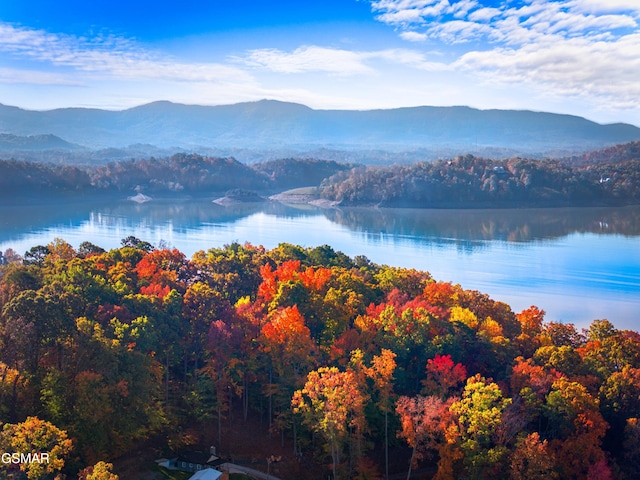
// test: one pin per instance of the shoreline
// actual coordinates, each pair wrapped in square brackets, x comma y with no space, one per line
[219,198]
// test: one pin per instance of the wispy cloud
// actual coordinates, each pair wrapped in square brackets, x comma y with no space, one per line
[308,59]
[107,56]
[605,6]
[541,17]
[561,47]
[414,36]
[609,76]
[35,77]
[335,61]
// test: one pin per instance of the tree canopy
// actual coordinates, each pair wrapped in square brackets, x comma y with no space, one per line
[340,356]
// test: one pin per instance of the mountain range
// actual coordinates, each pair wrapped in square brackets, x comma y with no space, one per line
[48,141]
[270,125]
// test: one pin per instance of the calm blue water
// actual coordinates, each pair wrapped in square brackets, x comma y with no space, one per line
[577,264]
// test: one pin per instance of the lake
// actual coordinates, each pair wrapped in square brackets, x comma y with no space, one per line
[578,264]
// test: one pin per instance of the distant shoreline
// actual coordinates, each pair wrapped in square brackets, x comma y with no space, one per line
[286,197]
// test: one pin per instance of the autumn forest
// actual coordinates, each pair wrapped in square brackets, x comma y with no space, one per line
[348,363]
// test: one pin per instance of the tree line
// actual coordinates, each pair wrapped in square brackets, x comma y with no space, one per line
[189,174]
[612,154]
[472,182]
[344,359]
[606,177]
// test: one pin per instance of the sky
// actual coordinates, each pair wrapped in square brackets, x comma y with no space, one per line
[579,57]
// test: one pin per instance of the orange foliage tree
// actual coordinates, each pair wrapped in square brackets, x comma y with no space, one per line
[331,403]
[422,422]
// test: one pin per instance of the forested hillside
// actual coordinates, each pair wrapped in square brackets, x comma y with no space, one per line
[472,182]
[340,357]
[295,172]
[180,172]
[465,181]
[187,174]
[613,154]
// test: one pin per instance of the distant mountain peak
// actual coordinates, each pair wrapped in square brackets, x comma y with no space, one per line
[46,141]
[270,124]
[274,102]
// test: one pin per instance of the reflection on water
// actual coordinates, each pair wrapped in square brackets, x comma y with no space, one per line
[518,225]
[577,264]
[472,226]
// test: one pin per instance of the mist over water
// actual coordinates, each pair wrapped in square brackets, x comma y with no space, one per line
[578,264]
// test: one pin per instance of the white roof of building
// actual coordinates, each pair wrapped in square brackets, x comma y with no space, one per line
[206,474]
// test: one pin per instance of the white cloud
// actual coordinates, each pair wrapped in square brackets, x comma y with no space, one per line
[606,6]
[104,56]
[414,36]
[484,14]
[404,17]
[603,71]
[588,48]
[410,58]
[461,8]
[408,12]
[308,59]
[338,62]
[437,19]
[459,31]
[35,77]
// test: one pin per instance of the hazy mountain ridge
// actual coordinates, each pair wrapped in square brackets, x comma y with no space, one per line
[275,125]
[10,142]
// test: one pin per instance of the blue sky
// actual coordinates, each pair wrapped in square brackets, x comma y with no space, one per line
[569,56]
